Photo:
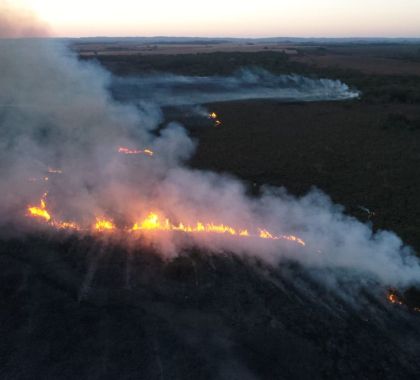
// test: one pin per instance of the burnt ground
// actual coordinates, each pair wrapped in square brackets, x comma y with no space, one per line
[84,309]
[88,309]
[353,151]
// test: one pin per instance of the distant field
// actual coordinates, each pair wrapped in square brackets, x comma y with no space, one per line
[381,59]
[370,59]
[153,49]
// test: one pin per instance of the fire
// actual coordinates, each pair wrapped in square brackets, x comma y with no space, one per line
[214,117]
[393,298]
[153,222]
[41,210]
[103,224]
[264,234]
[125,150]
[67,226]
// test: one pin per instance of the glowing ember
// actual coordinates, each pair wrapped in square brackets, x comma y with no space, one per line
[104,225]
[125,150]
[67,226]
[213,115]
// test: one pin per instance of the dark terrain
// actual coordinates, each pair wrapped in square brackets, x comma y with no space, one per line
[87,309]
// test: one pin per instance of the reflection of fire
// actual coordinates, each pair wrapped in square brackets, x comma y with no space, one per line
[125,150]
[153,222]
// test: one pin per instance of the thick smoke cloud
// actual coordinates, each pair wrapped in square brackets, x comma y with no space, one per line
[254,83]
[18,22]
[56,111]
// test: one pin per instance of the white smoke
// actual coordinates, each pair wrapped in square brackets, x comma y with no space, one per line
[57,111]
[251,83]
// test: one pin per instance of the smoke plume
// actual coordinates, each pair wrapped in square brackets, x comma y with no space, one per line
[252,83]
[57,112]
[18,22]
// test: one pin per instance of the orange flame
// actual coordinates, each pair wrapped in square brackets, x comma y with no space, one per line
[103,224]
[153,223]
[393,298]
[41,210]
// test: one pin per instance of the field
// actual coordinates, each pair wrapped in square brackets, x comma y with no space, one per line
[363,153]
[99,306]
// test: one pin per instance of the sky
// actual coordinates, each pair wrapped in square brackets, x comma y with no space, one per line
[235,18]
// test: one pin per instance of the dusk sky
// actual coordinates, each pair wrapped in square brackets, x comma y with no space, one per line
[247,18]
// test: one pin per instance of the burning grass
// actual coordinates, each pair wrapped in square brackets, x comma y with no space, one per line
[153,222]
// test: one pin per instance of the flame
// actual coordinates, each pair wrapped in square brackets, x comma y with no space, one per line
[103,224]
[125,150]
[214,117]
[153,222]
[393,298]
[41,210]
